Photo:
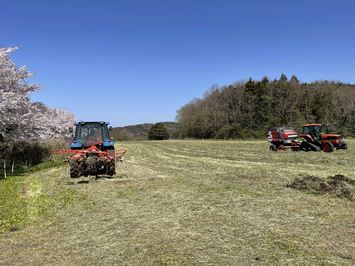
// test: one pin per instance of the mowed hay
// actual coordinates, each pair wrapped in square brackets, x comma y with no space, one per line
[193,203]
[338,185]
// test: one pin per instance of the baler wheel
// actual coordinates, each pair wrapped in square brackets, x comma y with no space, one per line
[273,147]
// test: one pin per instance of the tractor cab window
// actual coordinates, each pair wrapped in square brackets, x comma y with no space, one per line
[314,130]
[92,133]
[306,130]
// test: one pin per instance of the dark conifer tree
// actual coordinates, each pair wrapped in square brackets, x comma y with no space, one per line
[158,132]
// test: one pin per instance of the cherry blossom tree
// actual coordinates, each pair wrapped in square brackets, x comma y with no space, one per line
[19,117]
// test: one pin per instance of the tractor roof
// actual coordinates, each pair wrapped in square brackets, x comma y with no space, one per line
[91,122]
[308,125]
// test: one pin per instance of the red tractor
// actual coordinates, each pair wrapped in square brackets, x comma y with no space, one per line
[318,137]
[283,138]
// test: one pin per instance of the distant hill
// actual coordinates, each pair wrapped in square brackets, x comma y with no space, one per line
[140,131]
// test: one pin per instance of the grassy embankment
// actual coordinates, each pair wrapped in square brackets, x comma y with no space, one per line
[30,194]
[186,202]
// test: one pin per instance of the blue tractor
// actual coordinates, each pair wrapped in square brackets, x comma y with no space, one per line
[93,149]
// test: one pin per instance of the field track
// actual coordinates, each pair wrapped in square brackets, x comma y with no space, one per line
[187,202]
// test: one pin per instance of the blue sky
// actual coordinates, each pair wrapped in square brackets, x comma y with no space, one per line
[133,61]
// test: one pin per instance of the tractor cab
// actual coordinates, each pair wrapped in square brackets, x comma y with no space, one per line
[315,129]
[92,134]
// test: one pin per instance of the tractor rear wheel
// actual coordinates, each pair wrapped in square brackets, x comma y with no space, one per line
[111,169]
[74,169]
[328,147]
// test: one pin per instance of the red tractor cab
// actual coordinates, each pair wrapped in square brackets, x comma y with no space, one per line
[283,138]
[318,137]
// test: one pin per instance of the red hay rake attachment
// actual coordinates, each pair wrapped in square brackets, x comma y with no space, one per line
[92,161]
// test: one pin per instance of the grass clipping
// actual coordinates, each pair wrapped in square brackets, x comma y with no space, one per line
[338,185]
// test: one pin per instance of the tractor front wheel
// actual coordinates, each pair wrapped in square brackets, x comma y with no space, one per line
[328,147]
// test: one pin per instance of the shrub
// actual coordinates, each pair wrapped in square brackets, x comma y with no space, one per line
[31,152]
[158,132]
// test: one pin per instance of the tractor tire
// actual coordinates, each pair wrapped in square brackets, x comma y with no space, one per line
[273,147]
[74,169]
[112,171]
[110,168]
[328,147]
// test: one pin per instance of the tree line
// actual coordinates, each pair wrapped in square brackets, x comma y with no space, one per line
[248,109]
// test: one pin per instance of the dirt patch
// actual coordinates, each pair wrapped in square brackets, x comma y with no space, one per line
[338,185]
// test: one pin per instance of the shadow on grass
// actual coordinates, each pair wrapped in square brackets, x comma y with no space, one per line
[90,179]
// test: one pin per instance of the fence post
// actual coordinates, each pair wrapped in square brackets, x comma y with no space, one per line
[12,167]
[4,169]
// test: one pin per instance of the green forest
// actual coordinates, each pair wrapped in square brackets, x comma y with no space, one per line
[248,109]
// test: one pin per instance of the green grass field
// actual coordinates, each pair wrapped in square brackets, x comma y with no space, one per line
[182,202]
